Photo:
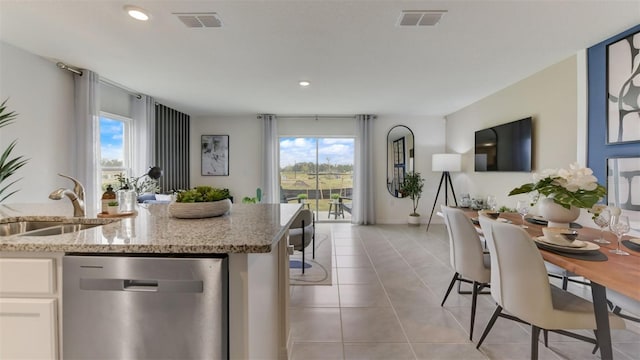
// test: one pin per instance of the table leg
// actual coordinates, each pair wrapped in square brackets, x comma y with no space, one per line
[603,332]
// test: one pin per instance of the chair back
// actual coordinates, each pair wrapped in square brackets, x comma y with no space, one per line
[452,259]
[521,277]
[468,257]
[485,224]
[303,216]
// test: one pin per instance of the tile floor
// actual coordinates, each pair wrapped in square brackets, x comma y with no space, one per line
[385,304]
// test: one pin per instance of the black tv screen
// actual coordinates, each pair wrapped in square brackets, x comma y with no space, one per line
[505,147]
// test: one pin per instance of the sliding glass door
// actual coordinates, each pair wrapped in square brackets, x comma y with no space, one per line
[319,173]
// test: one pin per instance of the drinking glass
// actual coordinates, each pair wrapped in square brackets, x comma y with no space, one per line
[619,225]
[492,203]
[523,209]
[602,220]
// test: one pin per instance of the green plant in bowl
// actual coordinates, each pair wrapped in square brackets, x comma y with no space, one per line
[202,194]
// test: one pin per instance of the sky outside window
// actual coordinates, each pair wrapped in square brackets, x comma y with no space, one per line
[293,150]
[111,139]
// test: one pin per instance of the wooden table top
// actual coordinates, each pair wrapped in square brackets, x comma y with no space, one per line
[619,273]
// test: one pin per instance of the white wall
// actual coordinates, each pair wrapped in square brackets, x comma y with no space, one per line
[551,98]
[245,133]
[245,149]
[42,95]
[429,139]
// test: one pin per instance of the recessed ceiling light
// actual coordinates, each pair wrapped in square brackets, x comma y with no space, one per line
[136,13]
[304,83]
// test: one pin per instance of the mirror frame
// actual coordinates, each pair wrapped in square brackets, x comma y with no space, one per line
[391,165]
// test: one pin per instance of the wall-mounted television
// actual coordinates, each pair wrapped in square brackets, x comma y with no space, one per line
[505,147]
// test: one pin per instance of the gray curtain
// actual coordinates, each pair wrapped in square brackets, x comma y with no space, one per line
[172,148]
[363,187]
[270,183]
[87,117]
[144,118]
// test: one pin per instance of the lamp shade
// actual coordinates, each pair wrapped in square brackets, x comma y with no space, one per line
[446,162]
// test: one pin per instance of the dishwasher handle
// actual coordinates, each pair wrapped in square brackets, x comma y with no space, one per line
[174,286]
[140,285]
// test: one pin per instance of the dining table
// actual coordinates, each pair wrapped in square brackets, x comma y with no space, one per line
[618,272]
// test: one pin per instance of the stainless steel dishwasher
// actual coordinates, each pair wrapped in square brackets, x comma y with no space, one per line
[145,307]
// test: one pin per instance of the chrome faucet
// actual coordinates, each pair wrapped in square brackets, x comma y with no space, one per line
[76,196]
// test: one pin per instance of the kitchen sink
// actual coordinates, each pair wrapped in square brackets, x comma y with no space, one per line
[48,227]
[60,229]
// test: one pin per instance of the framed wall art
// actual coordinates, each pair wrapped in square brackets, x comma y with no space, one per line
[623,90]
[623,187]
[215,155]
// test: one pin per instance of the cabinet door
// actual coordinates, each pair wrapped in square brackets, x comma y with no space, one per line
[28,329]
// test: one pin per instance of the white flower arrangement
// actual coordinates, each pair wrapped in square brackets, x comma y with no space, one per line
[575,186]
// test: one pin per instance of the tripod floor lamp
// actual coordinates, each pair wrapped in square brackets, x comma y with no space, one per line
[445,163]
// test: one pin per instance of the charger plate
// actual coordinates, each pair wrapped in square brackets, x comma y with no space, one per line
[589,247]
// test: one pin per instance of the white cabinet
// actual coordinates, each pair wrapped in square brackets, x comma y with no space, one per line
[28,328]
[29,306]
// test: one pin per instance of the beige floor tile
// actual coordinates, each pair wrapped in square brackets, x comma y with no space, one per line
[371,325]
[503,331]
[382,351]
[315,324]
[412,266]
[353,261]
[430,325]
[516,352]
[316,351]
[357,276]
[447,351]
[363,295]
[315,296]
[350,250]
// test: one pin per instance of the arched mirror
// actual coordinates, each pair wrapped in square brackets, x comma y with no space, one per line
[400,160]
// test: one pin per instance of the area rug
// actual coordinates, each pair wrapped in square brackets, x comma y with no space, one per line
[316,271]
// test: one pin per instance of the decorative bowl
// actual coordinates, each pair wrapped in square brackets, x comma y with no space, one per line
[199,210]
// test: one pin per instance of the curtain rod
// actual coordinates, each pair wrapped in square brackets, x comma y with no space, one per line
[314,116]
[78,72]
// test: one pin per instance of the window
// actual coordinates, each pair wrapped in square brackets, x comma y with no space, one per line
[115,149]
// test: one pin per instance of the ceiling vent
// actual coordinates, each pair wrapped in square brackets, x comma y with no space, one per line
[420,17]
[199,20]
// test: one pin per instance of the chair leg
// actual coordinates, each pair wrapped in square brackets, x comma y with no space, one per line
[546,337]
[492,321]
[474,299]
[453,281]
[565,282]
[313,237]
[535,334]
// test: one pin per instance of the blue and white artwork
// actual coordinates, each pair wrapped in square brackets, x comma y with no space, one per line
[623,90]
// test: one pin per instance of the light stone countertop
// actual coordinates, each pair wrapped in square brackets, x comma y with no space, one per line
[249,228]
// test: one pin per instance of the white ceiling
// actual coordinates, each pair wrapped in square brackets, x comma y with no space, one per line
[357,59]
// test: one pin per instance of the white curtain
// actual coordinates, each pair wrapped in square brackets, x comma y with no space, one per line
[363,187]
[87,117]
[270,167]
[144,118]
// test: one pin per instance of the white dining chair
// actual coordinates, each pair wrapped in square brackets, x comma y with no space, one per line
[521,289]
[302,233]
[467,258]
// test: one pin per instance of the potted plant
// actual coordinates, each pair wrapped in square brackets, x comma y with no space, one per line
[412,188]
[201,202]
[8,165]
[335,196]
[112,207]
[302,198]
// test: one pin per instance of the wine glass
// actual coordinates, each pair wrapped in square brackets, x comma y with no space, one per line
[523,209]
[619,225]
[602,220]
[492,203]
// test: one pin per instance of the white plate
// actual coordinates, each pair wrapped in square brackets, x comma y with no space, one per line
[574,244]
[635,241]
[589,246]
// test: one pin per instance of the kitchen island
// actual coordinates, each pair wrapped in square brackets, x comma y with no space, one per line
[252,235]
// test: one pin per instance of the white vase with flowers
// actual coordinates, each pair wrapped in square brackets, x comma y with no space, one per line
[566,192]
